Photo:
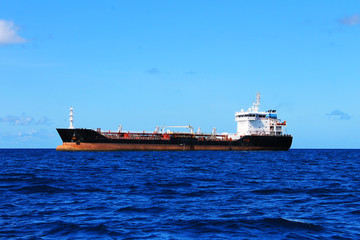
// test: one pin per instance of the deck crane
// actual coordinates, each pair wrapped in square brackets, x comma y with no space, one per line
[188,127]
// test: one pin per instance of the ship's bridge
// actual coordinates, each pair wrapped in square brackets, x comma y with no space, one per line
[260,123]
[245,116]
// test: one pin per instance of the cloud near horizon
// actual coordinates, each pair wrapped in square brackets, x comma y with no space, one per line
[24,120]
[26,136]
[337,114]
[351,21]
[8,33]
[152,71]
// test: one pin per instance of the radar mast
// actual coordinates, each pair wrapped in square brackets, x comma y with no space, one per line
[71,118]
[257,103]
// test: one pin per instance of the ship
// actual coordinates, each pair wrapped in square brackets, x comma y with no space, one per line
[256,130]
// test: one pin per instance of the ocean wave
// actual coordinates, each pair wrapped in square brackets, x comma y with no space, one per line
[68,229]
[299,194]
[40,189]
[292,224]
[200,193]
[133,209]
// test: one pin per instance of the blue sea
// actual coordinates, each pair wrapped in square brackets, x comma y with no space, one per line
[295,194]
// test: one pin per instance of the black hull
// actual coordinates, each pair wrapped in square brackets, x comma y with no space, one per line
[90,140]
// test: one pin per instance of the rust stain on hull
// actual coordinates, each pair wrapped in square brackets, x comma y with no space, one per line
[69,146]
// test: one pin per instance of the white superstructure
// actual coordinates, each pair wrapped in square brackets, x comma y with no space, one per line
[255,122]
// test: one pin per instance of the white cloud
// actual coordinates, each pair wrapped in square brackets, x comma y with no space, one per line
[351,21]
[24,120]
[8,33]
[152,71]
[337,114]
[15,120]
[30,135]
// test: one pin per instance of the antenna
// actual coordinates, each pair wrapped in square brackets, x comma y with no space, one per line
[257,103]
[213,131]
[71,118]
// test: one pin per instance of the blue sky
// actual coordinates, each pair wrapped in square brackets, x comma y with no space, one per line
[148,63]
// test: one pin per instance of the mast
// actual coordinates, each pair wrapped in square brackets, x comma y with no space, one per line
[257,103]
[71,118]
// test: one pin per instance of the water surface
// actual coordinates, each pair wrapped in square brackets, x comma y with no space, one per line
[296,194]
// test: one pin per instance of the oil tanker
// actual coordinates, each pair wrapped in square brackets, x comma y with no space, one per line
[256,130]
